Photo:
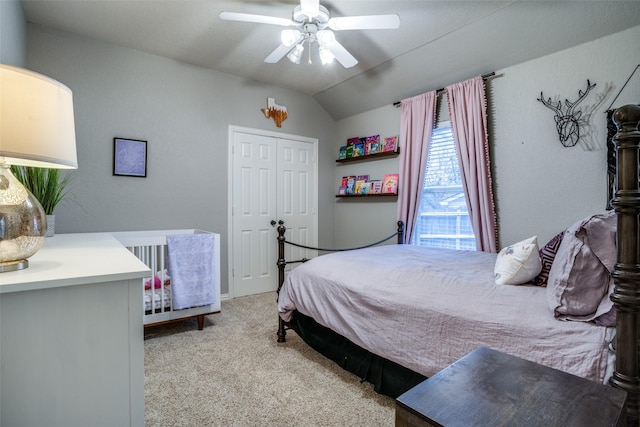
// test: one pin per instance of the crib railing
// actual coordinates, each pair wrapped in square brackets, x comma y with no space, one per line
[157,299]
[151,248]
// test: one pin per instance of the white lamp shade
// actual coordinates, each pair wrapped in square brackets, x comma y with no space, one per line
[325,38]
[296,53]
[290,37]
[326,56]
[36,120]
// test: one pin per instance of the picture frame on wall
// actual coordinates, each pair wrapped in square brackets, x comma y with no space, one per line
[129,157]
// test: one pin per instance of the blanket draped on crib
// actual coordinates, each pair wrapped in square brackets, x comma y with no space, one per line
[191,259]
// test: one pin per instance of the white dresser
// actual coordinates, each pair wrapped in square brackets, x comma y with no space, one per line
[71,336]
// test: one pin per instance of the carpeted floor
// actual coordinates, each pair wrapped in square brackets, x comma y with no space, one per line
[234,373]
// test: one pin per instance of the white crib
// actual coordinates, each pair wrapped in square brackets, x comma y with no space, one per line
[151,248]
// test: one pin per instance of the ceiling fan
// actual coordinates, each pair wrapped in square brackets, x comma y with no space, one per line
[311,23]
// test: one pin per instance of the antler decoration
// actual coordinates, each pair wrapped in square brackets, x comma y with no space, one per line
[567,123]
[277,112]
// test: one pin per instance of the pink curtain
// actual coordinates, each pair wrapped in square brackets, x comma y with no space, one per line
[468,113]
[418,118]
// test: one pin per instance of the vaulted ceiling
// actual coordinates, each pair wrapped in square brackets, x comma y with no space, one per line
[438,42]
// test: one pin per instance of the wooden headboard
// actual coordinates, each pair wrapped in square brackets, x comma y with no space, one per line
[626,274]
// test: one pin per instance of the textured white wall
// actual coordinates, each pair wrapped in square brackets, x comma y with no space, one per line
[540,186]
[13,33]
[183,112]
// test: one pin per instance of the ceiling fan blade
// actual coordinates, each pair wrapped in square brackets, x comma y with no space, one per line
[260,19]
[369,22]
[278,53]
[342,55]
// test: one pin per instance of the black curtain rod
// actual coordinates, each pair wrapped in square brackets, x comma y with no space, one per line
[439,91]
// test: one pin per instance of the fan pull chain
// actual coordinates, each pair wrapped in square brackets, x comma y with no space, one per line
[309,50]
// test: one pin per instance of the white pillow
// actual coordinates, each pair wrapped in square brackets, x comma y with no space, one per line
[518,263]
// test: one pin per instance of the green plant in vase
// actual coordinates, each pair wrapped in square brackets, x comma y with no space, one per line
[47,185]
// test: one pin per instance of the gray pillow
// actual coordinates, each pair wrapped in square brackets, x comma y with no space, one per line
[579,279]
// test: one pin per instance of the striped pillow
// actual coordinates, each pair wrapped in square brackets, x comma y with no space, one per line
[547,255]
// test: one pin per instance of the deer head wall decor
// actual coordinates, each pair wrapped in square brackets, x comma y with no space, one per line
[567,122]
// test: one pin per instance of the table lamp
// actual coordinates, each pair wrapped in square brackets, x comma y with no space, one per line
[36,129]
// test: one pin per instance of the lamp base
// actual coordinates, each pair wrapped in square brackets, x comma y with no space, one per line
[23,224]
[13,265]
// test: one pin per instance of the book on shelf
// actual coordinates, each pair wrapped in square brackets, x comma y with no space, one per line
[365,188]
[390,144]
[342,190]
[342,154]
[352,141]
[360,180]
[349,184]
[390,183]
[358,149]
[372,145]
[376,186]
[348,152]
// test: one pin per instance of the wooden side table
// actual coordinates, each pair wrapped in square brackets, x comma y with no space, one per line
[490,388]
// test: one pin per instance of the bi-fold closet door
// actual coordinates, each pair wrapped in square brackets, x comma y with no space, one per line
[274,177]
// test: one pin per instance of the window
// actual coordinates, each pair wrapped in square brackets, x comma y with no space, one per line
[443,219]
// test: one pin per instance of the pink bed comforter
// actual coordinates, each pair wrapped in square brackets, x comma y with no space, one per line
[425,308]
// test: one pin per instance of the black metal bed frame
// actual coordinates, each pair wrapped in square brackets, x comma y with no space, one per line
[282,262]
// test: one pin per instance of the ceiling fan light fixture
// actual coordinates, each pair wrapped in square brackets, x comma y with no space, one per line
[321,16]
[296,53]
[311,23]
[325,38]
[326,56]
[290,37]
[311,8]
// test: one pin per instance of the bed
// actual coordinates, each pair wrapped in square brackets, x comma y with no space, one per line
[158,290]
[414,311]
